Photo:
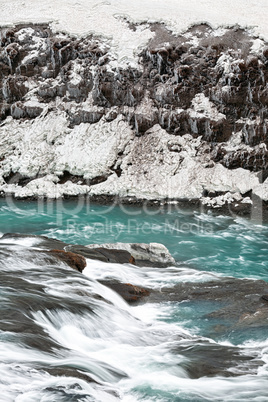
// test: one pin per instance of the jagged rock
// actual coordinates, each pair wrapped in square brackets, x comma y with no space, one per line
[4,110]
[13,89]
[142,122]
[117,89]
[111,115]
[47,92]
[4,70]
[78,91]
[255,160]
[173,73]
[84,116]
[20,110]
[17,178]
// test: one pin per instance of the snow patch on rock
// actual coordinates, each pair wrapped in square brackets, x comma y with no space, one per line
[262,190]
[202,106]
[47,145]
[46,186]
[91,150]
[171,169]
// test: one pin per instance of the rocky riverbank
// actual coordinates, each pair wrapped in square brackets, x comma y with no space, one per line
[188,122]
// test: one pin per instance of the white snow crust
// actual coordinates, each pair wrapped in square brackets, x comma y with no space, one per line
[157,165]
[108,18]
[164,174]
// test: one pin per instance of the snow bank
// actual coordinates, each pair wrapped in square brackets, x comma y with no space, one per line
[108,18]
[47,145]
[159,165]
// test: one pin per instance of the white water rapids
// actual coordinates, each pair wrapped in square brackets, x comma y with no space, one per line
[77,330]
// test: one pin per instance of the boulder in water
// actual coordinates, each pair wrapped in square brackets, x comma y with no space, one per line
[151,254]
[103,254]
[75,261]
[127,291]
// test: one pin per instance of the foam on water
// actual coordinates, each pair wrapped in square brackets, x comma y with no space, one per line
[21,241]
[146,276]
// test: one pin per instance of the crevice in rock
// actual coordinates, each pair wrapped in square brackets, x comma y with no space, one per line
[17,178]
[98,179]
[117,169]
[67,176]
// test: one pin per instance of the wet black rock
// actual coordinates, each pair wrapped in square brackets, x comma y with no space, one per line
[130,293]
[204,359]
[102,254]
[66,371]
[75,261]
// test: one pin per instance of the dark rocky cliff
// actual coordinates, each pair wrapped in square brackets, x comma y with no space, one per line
[202,83]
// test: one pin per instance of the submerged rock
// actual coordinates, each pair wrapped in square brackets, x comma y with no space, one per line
[232,305]
[67,371]
[236,304]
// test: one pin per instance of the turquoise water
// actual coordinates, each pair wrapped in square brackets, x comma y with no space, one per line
[227,245]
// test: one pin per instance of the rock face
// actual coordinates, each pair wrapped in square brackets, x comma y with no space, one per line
[102,253]
[152,254]
[190,121]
